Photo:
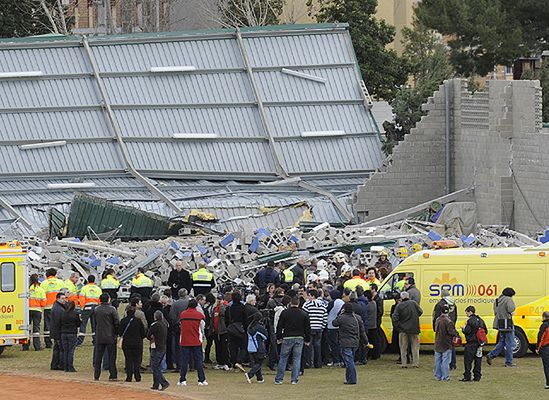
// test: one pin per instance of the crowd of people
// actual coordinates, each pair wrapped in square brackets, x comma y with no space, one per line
[299,316]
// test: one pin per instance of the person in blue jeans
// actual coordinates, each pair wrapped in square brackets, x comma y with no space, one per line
[351,332]
[445,331]
[504,308]
[292,332]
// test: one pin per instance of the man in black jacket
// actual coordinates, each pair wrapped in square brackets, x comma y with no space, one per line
[473,349]
[179,279]
[406,320]
[57,311]
[293,330]
[106,332]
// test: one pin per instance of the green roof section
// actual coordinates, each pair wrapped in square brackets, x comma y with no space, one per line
[275,29]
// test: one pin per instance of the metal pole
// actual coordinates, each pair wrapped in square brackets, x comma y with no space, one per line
[447,92]
[118,132]
[280,170]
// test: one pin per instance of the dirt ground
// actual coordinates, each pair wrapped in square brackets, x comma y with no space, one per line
[24,387]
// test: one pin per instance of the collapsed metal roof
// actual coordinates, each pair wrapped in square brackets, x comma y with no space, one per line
[254,105]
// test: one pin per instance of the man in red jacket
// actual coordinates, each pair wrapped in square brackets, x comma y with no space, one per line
[192,325]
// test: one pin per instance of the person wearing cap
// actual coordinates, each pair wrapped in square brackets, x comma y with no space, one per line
[406,321]
[383,261]
[267,275]
[203,281]
[413,291]
[346,273]
[179,279]
[351,331]
[449,302]
[445,330]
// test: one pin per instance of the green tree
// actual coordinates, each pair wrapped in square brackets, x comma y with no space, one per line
[429,66]
[381,68]
[235,13]
[484,33]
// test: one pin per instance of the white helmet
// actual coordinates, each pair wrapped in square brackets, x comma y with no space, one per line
[324,275]
[346,268]
[340,257]
[312,278]
[321,265]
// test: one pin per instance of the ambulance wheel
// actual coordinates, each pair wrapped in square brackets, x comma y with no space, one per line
[521,344]
[2,349]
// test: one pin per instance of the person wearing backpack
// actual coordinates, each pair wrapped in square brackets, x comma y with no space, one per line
[475,332]
[543,346]
[257,335]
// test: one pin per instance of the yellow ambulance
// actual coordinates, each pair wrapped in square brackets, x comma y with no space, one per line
[14,305]
[476,276]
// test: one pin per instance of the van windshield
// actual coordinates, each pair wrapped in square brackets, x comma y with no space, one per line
[394,285]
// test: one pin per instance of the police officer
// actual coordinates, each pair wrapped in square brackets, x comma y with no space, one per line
[110,285]
[143,285]
[202,280]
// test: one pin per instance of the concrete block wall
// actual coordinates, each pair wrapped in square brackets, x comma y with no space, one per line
[415,175]
[493,133]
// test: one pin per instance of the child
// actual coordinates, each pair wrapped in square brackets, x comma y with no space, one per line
[257,335]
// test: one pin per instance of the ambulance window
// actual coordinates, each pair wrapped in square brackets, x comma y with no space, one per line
[7,279]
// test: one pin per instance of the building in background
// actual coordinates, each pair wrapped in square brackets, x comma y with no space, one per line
[398,13]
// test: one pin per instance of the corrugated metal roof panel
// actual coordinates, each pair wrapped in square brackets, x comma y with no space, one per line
[338,154]
[35,93]
[202,54]
[223,121]
[54,125]
[180,89]
[73,157]
[297,50]
[292,121]
[203,157]
[341,85]
[51,61]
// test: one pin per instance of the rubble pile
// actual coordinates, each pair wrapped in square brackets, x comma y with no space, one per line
[238,255]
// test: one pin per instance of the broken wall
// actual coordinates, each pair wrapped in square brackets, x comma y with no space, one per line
[493,133]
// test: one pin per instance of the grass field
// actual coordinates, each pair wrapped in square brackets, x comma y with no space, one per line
[381,379]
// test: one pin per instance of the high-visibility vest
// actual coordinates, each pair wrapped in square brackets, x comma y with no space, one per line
[89,295]
[400,284]
[51,285]
[356,281]
[202,278]
[110,282]
[73,292]
[140,281]
[37,298]
[374,281]
[288,275]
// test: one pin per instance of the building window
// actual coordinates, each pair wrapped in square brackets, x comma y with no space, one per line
[7,277]
[509,70]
